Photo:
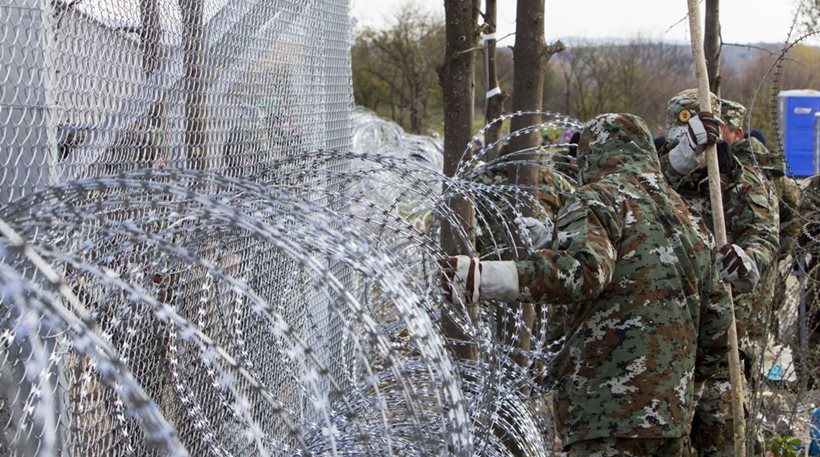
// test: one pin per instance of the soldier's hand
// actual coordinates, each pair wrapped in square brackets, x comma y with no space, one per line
[687,156]
[704,130]
[460,279]
[737,268]
[539,233]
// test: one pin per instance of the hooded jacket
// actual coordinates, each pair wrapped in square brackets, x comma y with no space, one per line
[647,317]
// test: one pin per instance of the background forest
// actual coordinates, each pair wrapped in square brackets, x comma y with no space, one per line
[395,75]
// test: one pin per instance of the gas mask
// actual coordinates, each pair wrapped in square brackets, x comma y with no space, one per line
[676,132]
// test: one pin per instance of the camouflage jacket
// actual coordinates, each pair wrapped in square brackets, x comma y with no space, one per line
[788,193]
[648,317]
[810,216]
[748,150]
[752,222]
[754,319]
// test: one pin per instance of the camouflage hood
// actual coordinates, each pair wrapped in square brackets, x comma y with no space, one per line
[612,143]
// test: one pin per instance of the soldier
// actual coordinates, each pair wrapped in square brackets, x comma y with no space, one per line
[808,248]
[752,231]
[751,150]
[648,318]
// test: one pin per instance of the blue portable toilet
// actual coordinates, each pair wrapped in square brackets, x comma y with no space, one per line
[799,112]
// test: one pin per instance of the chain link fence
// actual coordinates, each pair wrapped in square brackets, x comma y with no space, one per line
[92,88]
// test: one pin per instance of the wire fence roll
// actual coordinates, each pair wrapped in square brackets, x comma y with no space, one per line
[206,250]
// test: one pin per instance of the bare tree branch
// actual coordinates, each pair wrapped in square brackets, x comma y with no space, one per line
[762,49]
[481,48]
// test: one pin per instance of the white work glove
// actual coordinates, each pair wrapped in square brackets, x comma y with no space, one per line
[499,280]
[702,130]
[737,268]
[469,280]
[540,233]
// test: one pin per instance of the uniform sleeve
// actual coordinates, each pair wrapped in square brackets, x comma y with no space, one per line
[713,333]
[553,192]
[756,223]
[582,260]
[789,203]
[809,204]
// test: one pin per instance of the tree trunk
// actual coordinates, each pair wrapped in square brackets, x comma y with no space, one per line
[456,76]
[416,116]
[193,45]
[530,56]
[494,105]
[529,66]
[719,225]
[711,44]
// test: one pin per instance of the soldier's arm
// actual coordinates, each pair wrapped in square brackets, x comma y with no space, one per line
[756,222]
[809,215]
[582,261]
[715,319]
[789,203]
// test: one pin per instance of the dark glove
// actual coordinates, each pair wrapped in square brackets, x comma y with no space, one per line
[660,142]
[737,268]
[573,149]
[704,130]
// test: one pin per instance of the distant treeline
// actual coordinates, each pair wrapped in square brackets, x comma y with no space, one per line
[394,74]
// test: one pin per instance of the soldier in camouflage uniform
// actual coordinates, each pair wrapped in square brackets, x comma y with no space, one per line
[753,153]
[648,318]
[752,230]
[808,247]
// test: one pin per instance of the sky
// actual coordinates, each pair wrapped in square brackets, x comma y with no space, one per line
[742,21]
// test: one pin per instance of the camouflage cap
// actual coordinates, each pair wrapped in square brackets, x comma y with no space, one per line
[732,113]
[683,105]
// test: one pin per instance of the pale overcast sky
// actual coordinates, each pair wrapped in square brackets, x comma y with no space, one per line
[743,21]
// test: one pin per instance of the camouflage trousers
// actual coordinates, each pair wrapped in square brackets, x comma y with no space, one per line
[630,447]
[713,424]
[751,357]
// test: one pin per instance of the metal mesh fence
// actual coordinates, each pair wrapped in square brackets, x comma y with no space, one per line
[94,88]
[120,85]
